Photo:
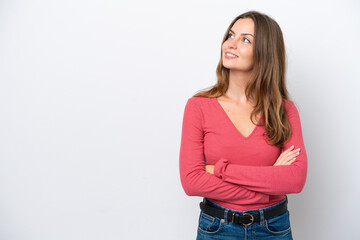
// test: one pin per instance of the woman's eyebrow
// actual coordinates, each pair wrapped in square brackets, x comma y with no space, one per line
[242,33]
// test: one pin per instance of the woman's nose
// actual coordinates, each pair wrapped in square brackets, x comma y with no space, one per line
[232,44]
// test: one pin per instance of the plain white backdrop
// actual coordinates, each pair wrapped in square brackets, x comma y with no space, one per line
[92,95]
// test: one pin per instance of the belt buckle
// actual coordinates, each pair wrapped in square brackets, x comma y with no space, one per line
[252,219]
[247,224]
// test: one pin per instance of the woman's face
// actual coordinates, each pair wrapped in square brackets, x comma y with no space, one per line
[239,42]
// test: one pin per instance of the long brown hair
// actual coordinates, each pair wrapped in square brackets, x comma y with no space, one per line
[267,86]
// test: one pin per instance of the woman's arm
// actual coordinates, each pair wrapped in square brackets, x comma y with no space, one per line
[274,180]
[194,179]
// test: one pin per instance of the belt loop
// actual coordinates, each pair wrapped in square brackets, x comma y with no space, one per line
[226,215]
[262,220]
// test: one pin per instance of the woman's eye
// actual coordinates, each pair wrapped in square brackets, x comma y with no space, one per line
[246,40]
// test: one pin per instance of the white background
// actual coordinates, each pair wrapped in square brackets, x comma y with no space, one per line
[92,95]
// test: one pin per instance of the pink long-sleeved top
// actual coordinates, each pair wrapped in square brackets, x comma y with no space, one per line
[244,176]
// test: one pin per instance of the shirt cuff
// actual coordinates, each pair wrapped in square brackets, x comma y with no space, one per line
[220,167]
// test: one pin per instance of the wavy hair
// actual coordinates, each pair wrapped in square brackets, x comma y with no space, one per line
[267,86]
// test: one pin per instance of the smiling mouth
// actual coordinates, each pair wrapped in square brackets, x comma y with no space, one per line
[230,55]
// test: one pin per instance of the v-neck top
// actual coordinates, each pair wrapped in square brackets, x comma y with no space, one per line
[244,176]
[231,123]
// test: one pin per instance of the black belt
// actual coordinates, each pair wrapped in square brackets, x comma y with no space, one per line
[246,218]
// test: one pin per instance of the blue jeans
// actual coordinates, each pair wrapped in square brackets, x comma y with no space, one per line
[215,228]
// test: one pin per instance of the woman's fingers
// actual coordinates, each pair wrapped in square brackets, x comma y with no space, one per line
[291,161]
[209,168]
[284,154]
[287,157]
[290,153]
[290,157]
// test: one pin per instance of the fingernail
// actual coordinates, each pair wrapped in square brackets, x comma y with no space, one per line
[298,149]
[292,146]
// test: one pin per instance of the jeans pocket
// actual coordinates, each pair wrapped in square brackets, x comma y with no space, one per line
[278,225]
[209,224]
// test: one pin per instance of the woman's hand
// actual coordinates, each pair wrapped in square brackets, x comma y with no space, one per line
[288,156]
[210,168]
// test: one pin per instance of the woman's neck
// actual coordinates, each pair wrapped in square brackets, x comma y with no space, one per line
[237,84]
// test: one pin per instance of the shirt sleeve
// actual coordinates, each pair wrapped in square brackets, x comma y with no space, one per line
[273,180]
[194,178]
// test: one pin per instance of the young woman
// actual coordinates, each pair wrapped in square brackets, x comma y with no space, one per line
[241,146]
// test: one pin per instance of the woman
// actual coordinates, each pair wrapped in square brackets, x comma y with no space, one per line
[242,147]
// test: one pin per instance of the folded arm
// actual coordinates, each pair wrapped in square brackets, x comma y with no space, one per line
[194,179]
[274,180]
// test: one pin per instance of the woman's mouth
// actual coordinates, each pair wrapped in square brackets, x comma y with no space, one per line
[230,55]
